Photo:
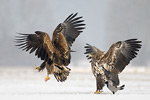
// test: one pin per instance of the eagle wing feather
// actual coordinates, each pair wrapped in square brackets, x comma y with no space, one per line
[121,53]
[65,34]
[72,27]
[39,42]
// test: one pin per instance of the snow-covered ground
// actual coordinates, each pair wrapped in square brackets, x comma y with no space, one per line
[25,83]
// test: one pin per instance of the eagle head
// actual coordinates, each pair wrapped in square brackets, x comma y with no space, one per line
[59,28]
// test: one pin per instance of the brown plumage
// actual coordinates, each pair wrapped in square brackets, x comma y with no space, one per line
[107,66]
[56,53]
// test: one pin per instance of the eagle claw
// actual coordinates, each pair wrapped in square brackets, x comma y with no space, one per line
[98,92]
[37,68]
[47,78]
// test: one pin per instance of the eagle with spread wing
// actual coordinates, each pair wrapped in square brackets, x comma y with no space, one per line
[54,53]
[107,66]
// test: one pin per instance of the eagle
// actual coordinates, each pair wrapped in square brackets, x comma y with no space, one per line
[107,66]
[54,53]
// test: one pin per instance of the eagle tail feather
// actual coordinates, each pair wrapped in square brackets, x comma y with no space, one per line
[121,87]
[62,76]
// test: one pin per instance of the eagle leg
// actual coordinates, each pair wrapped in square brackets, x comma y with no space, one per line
[98,92]
[41,67]
[47,78]
[99,84]
[37,68]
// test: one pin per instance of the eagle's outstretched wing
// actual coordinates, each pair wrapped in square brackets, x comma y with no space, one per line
[72,27]
[121,53]
[65,34]
[93,53]
[39,42]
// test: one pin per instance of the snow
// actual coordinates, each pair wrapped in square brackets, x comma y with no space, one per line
[24,83]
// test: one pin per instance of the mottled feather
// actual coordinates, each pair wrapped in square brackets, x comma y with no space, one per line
[113,62]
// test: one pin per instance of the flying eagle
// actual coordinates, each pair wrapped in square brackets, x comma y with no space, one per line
[107,66]
[55,54]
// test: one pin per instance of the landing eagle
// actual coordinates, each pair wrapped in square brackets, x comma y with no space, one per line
[107,66]
[55,54]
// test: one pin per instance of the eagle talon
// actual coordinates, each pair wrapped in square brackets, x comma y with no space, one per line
[98,92]
[47,78]
[37,68]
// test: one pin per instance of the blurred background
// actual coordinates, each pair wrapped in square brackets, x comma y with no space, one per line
[107,21]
